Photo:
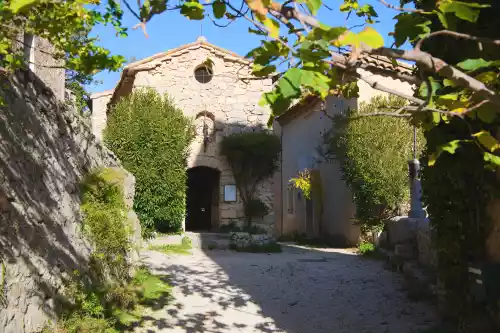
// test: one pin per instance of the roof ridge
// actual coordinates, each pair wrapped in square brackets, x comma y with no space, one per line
[199,42]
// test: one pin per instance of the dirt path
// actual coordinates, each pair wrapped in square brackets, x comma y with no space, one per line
[297,291]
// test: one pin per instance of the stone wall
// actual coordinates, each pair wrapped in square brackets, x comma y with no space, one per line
[229,100]
[45,149]
[46,67]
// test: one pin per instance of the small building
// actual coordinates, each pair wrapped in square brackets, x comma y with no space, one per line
[39,59]
[215,87]
[328,212]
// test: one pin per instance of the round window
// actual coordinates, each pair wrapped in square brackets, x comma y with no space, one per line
[203,74]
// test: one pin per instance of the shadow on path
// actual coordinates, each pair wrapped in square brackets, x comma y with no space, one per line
[297,291]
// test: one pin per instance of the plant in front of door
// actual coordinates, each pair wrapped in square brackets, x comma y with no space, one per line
[253,158]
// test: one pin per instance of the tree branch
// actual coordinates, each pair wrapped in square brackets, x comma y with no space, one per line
[402,9]
[458,35]
[438,66]
[424,59]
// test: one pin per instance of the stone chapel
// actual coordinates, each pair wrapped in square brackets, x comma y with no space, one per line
[216,89]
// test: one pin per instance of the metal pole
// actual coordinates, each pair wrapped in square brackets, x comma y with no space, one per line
[416,210]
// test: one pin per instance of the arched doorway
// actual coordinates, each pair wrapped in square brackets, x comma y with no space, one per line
[202,199]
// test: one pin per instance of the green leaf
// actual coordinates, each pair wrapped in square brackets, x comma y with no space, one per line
[474,64]
[316,81]
[410,26]
[368,36]
[193,10]
[20,5]
[219,8]
[313,5]
[448,83]
[487,77]
[259,70]
[463,10]
[452,96]
[267,98]
[487,113]
[272,26]
[487,140]
[325,33]
[371,37]
[449,147]
[442,18]
[434,86]
[289,84]
[490,158]
[436,118]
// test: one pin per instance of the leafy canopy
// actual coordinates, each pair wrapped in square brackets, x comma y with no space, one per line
[306,55]
[66,25]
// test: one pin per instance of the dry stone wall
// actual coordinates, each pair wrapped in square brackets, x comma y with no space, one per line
[45,150]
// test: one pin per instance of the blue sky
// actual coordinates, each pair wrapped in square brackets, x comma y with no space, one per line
[170,30]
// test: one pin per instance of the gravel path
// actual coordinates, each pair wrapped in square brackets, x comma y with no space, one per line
[297,291]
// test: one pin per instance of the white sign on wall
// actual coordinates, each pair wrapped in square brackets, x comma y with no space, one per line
[229,193]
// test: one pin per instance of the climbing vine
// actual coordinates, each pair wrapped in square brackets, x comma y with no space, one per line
[253,157]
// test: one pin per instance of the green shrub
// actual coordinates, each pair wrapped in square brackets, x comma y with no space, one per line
[373,154]
[253,157]
[122,297]
[186,242]
[183,248]
[103,308]
[366,248]
[105,223]
[151,137]
[83,324]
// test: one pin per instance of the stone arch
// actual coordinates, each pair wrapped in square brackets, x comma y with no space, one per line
[207,114]
[205,161]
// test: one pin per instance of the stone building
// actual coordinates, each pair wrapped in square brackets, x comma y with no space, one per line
[38,54]
[215,88]
[328,214]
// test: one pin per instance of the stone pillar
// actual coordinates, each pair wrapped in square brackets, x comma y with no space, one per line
[416,210]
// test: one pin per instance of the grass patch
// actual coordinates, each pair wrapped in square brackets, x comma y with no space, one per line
[153,292]
[183,248]
[366,248]
[116,308]
[370,251]
[255,248]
